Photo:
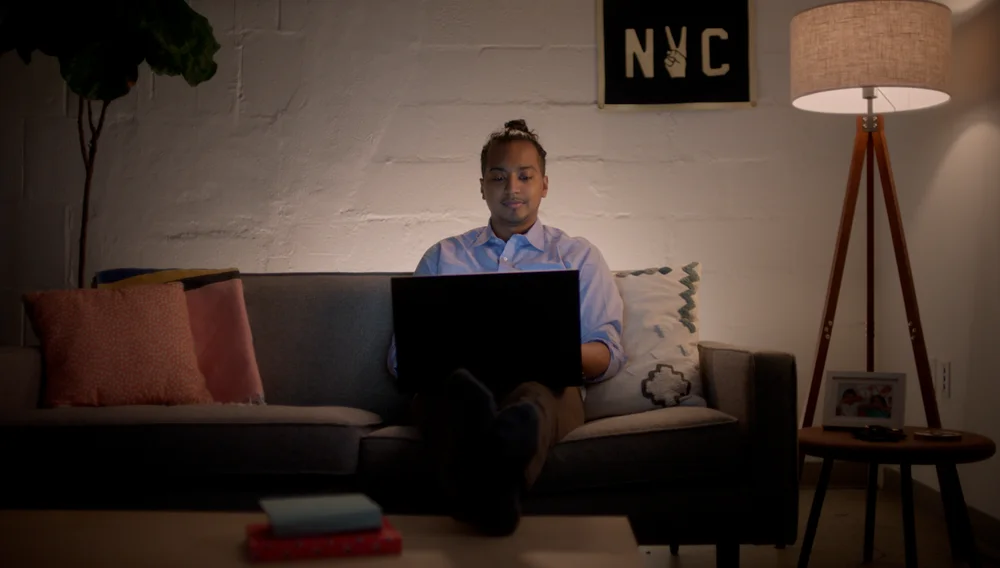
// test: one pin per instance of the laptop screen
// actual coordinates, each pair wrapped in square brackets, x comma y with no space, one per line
[505,328]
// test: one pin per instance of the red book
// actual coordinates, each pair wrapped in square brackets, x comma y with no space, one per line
[263,546]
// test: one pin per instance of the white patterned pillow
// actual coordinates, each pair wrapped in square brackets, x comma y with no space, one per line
[660,339]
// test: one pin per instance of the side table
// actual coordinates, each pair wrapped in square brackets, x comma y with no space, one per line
[834,445]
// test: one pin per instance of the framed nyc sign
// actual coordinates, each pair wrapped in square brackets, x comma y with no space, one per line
[695,54]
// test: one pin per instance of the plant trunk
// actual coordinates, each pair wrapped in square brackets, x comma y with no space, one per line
[89,151]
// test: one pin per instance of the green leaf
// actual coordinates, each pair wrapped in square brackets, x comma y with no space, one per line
[101,43]
[179,41]
[99,71]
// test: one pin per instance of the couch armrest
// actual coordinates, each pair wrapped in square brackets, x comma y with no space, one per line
[760,388]
[20,378]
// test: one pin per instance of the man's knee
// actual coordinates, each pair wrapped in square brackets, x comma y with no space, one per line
[530,391]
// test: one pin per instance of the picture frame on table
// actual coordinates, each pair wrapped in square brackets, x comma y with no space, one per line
[858,399]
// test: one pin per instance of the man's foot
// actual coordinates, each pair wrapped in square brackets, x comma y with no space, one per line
[495,508]
[472,410]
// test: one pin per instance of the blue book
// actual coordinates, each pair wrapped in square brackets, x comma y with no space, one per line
[322,514]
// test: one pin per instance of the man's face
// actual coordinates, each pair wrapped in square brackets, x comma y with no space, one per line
[513,187]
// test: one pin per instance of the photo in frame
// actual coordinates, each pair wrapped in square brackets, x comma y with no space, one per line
[676,55]
[856,399]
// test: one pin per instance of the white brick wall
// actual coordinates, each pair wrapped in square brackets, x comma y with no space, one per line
[345,136]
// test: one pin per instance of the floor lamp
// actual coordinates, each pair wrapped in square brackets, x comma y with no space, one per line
[868,58]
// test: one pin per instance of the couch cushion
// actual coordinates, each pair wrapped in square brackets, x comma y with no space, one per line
[197,439]
[194,414]
[323,339]
[680,445]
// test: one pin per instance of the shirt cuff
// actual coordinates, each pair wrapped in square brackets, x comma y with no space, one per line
[614,365]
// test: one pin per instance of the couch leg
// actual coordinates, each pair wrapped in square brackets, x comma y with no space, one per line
[727,555]
[674,548]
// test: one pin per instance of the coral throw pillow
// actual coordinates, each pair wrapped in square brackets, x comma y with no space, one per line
[219,323]
[117,347]
[224,343]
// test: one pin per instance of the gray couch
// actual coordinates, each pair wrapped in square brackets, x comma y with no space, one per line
[726,474]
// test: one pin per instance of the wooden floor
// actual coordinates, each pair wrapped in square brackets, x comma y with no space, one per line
[839,539]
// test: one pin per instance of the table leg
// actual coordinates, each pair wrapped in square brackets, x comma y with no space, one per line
[869,551]
[909,530]
[817,507]
[948,502]
[963,543]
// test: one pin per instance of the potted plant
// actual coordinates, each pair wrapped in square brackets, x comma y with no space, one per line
[100,45]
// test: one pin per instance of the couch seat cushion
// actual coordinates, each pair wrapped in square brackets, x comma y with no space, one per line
[195,439]
[688,445]
[679,445]
[194,414]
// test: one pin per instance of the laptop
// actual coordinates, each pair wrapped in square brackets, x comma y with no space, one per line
[505,328]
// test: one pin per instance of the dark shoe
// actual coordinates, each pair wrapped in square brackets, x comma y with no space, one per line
[493,504]
[471,409]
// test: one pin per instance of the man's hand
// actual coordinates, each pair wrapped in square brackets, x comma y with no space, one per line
[596,358]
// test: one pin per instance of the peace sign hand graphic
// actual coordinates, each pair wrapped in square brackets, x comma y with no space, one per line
[676,60]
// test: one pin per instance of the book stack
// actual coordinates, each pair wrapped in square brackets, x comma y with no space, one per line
[321,526]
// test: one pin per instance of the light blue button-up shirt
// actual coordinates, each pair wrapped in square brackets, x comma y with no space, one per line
[541,248]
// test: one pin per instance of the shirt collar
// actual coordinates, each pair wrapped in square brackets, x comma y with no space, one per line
[485,234]
[535,235]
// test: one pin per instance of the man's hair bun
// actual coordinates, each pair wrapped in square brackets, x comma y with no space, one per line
[516,129]
[518,124]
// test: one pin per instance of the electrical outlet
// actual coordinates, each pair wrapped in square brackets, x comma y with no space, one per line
[946,379]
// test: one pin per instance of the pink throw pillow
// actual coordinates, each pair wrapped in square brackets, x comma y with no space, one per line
[224,343]
[117,347]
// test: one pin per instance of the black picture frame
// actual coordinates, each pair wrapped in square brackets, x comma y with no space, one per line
[676,55]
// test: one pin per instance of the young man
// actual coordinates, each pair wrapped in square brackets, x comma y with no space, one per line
[489,447]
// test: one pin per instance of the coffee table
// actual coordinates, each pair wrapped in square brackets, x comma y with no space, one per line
[44,539]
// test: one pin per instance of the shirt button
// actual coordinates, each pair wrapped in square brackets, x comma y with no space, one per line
[503,258]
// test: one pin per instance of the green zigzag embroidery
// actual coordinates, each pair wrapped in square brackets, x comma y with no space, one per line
[661,270]
[688,295]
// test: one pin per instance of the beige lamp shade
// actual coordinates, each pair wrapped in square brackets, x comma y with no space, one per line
[901,48]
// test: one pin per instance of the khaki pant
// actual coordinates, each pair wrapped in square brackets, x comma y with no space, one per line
[559,415]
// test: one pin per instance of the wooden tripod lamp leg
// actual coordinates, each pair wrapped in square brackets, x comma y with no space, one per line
[861,141]
[906,277]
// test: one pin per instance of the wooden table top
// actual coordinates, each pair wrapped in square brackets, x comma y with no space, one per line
[43,539]
[842,445]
